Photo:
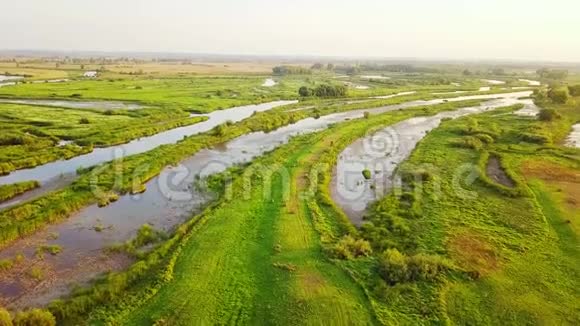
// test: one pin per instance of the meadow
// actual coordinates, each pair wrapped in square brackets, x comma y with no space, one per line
[34,135]
[498,245]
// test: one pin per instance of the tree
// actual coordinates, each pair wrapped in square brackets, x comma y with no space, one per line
[466,72]
[290,70]
[574,90]
[498,71]
[548,115]
[557,74]
[317,66]
[304,91]
[326,90]
[330,67]
[352,70]
[558,95]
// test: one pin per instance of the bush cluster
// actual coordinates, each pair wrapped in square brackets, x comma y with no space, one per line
[396,267]
[324,90]
[33,317]
[349,248]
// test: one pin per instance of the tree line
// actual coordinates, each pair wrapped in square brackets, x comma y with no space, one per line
[324,90]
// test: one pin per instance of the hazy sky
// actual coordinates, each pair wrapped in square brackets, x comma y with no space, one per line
[483,29]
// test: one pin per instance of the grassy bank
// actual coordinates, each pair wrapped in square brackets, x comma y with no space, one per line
[137,169]
[277,240]
[12,190]
[479,237]
[38,135]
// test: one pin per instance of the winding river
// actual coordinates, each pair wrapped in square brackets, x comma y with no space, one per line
[382,152]
[56,173]
[169,200]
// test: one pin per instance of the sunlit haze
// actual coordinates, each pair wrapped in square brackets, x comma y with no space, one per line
[454,29]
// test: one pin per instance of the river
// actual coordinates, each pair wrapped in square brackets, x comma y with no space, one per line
[169,200]
[382,152]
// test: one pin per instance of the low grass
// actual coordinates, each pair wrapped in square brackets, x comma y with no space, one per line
[489,237]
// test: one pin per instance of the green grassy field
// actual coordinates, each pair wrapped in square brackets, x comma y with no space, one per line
[34,135]
[438,250]
[515,257]
[257,259]
[199,94]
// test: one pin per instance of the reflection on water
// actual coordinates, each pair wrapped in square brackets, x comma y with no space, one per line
[4,78]
[100,105]
[573,139]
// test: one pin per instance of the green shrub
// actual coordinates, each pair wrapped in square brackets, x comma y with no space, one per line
[34,317]
[84,121]
[6,264]
[349,248]
[36,273]
[425,267]
[304,91]
[548,115]
[366,174]
[51,249]
[471,142]
[395,267]
[5,318]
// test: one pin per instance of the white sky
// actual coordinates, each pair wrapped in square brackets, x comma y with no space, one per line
[458,29]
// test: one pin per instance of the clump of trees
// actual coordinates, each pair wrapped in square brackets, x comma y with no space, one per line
[317,66]
[559,95]
[290,70]
[574,90]
[324,90]
[557,74]
[396,267]
[548,115]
